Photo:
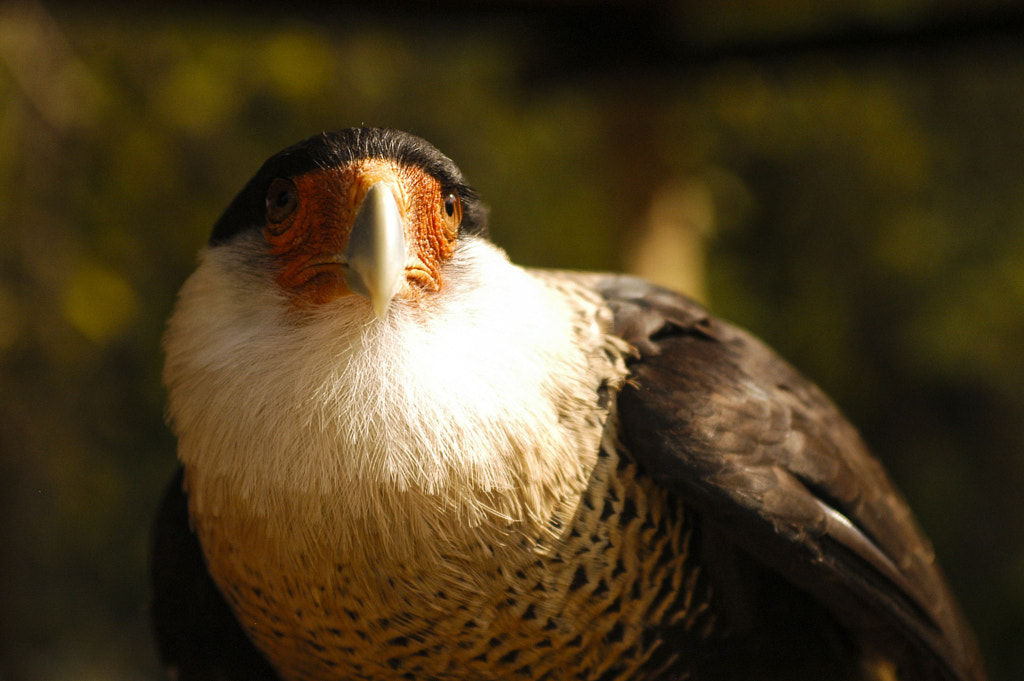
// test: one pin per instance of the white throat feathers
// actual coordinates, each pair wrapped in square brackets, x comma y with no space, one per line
[484,407]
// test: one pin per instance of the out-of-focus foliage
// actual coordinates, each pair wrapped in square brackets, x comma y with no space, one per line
[864,212]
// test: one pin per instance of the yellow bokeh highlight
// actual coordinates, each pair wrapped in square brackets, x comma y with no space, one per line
[99,303]
[297,65]
[195,97]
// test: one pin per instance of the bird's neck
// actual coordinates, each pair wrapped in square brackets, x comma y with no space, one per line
[481,405]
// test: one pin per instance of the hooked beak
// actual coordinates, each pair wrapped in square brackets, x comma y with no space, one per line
[376,252]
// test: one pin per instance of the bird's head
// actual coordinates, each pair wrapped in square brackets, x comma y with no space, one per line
[350,338]
[365,211]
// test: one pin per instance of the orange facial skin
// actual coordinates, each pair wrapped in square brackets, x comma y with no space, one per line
[309,242]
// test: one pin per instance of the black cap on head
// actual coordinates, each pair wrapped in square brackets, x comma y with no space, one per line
[331,149]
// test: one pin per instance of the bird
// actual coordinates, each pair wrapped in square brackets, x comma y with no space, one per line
[403,456]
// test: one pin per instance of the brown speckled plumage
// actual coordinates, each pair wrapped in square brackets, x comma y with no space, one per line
[619,568]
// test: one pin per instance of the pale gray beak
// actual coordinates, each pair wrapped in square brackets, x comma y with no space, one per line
[376,248]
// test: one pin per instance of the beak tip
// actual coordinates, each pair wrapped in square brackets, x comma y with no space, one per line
[381,306]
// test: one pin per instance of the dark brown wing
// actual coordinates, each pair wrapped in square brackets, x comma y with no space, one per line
[741,436]
[197,635]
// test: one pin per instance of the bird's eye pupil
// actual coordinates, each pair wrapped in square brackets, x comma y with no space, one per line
[281,200]
[452,217]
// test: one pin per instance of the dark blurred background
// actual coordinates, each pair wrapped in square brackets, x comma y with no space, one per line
[846,179]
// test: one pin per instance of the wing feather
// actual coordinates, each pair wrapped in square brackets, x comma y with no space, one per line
[716,416]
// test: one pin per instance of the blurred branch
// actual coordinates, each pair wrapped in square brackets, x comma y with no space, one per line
[579,38]
[52,79]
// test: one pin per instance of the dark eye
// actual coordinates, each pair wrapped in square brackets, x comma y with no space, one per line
[282,198]
[452,214]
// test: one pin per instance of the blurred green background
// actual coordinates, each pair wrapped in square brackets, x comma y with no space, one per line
[846,179]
